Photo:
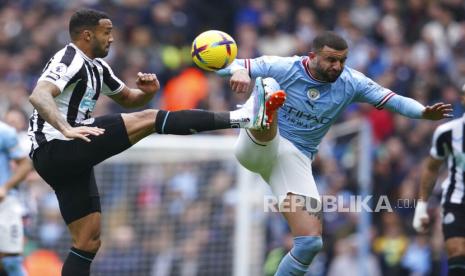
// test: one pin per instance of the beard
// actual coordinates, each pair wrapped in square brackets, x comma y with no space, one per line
[100,51]
[327,76]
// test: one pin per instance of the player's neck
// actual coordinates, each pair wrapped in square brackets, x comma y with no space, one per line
[85,48]
[312,73]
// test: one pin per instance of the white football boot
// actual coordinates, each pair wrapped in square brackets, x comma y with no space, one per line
[265,98]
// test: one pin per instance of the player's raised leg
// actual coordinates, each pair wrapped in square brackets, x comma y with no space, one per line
[274,98]
[263,143]
[252,115]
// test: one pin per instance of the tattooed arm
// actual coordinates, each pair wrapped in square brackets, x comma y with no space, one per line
[42,100]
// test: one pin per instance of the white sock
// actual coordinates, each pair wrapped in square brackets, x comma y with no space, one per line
[241,116]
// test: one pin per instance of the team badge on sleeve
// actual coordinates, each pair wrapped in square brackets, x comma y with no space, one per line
[59,69]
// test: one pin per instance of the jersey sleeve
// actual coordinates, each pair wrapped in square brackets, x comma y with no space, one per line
[264,66]
[62,67]
[13,147]
[370,92]
[441,144]
[112,85]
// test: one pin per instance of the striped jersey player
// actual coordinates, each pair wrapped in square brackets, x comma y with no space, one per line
[448,146]
[81,81]
[68,142]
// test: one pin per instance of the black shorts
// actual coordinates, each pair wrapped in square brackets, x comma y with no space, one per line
[453,221]
[67,166]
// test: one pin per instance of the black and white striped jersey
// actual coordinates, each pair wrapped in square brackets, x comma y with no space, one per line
[80,80]
[449,143]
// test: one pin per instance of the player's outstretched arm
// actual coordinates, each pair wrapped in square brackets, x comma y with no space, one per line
[42,100]
[24,166]
[413,109]
[437,111]
[147,86]
[429,174]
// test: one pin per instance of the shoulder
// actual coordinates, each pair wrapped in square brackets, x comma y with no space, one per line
[278,60]
[67,55]
[445,129]
[350,74]
[280,64]
[448,126]
[64,59]
[357,80]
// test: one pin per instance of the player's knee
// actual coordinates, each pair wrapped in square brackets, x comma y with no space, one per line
[140,116]
[306,247]
[455,247]
[455,251]
[147,114]
[89,243]
[307,231]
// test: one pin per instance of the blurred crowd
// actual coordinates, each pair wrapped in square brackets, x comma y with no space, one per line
[414,47]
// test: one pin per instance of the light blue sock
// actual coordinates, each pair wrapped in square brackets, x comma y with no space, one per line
[296,262]
[13,265]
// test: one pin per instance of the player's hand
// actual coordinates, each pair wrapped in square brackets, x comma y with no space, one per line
[3,192]
[148,83]
[437,111]
[421,217]
[82,132]
[240,81]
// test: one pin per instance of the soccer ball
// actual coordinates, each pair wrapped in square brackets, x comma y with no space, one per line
[213,50]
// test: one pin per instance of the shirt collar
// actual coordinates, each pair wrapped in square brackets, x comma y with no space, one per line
[305,62]
[81,52]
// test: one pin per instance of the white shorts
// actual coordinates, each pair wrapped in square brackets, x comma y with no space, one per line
[11,226]
[279,163]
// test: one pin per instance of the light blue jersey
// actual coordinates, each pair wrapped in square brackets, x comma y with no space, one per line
[9,150]
[312,106]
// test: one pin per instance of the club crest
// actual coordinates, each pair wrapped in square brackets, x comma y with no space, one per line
[313,94]
[59,69]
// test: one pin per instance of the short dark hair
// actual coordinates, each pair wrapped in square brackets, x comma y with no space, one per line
[330,39]
[84,19]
